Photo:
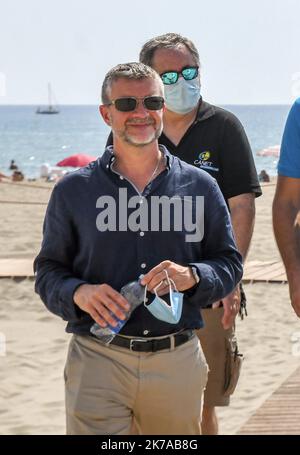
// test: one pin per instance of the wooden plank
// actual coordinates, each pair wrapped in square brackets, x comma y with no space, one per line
[265,269]
[280,414]
[255,271]
[16,268]
[272,272]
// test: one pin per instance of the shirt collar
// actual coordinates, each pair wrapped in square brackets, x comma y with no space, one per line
[108,157]
[205,111]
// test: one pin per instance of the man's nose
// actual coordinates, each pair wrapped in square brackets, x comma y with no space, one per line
[140,109]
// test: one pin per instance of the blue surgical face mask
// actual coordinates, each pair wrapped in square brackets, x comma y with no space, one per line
[161,310]
[183,96]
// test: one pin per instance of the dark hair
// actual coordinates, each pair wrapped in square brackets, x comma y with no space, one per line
[133,70]
[167,41]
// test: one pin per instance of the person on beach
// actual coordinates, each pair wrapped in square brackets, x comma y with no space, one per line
[97,238]
[214,140]
[13,166]
[17,176]
[263,176]
[286,204]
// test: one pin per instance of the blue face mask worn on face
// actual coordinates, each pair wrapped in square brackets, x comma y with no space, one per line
[161,310]
[183,96]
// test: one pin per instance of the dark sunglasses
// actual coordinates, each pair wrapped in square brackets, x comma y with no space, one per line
[171,77]
[151,103]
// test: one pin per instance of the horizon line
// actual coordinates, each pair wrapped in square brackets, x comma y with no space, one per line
[96,104]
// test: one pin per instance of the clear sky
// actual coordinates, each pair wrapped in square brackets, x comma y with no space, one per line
[249,49]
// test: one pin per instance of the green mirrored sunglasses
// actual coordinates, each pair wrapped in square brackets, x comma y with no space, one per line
[188,73]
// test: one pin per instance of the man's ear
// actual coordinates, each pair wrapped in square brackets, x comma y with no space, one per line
[105,114]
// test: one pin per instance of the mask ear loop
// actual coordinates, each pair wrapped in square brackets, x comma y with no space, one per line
[156,287]
[170,282]
[145,296]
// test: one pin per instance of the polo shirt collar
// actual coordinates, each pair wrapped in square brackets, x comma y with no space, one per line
[205,111]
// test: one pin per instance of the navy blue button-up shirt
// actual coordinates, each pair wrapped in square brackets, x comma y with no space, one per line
[84,242]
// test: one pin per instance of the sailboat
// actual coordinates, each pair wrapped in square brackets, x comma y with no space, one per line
[51,109]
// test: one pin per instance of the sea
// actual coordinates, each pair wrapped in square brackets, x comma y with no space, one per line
[32,139]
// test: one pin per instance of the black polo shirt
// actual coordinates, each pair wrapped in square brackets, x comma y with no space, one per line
[217,143]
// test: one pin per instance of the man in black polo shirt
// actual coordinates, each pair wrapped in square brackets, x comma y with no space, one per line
[212,139]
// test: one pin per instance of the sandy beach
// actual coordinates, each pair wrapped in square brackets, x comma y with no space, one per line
[33,357]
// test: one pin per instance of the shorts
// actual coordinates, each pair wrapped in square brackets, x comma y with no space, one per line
[221,353]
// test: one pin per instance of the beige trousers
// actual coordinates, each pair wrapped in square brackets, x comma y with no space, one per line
[109,388]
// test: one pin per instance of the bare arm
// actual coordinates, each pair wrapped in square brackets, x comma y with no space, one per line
[286,219]
[242,209]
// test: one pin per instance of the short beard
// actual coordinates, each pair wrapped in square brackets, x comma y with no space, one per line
[156,134]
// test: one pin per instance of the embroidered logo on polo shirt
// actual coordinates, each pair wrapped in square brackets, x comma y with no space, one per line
[204,156]
[204,163]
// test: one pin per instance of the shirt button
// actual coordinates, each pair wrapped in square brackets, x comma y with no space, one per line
[145,332]
[143,265]
[142,234]
[107,166]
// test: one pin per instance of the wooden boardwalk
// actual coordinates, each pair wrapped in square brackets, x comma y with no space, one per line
[259,271]
[255,271]
[280,414]
[16,268]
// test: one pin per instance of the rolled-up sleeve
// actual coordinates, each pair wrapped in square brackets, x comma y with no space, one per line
[55,281]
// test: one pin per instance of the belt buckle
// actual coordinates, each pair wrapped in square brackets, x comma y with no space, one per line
[133,340]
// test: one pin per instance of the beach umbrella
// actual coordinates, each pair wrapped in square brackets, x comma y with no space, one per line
[77,160]
[273,150]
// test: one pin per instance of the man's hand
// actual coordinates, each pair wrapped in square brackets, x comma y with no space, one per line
[231,305]
[182,276]
[102,303]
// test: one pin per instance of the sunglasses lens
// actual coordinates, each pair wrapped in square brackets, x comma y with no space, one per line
[190,73]
[169,78]
[154,103]
[125,104]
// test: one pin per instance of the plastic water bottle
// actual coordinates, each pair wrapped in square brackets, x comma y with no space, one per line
[134,294]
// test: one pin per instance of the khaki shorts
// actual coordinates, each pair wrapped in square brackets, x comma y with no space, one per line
[221,353]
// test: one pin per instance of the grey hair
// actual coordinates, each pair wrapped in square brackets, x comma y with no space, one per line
[132,70]
[167,41]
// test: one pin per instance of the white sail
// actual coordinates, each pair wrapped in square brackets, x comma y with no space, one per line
[51,109]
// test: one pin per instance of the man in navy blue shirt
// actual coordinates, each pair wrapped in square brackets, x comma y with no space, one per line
[136,212]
